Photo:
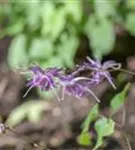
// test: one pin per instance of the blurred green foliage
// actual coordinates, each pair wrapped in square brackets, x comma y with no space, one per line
[44,32]
[103,126]
[48,32]
[92,116]
[119,99]
[85,137]
[31,110]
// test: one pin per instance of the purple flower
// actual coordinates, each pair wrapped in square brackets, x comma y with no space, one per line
[101,71]
[72,84]
[76,86]
[44,79]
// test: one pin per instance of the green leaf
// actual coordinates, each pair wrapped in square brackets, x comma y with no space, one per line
[41,49]
[104,127]
[74,9]
[104,8]
[84,139]
[16,116]
[92,115]
[130,23]
[30,110]
[53,20]
[67,49]
[32,11]
[130,4]
[34,113]
[47,12]
[17,56]
[101,35]
[16,27]
[58,23]
[119,99]
[54,61]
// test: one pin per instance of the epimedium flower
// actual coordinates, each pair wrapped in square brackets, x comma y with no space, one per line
[72,84]
[101,71]
[43,79]
[51,78]
[76,86]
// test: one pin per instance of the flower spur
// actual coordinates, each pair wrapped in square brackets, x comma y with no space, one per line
[101,71]
[76,86]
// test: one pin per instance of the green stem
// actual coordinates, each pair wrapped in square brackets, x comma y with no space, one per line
[122,70]
[127,71]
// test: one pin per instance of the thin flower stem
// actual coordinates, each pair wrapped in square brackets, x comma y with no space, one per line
[122,70]
[127,71]
[127,141]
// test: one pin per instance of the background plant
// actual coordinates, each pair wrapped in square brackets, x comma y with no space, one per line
[49,33]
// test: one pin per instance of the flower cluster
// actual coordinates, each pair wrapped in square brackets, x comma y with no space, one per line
[43,79]
[72,84]
[101,71]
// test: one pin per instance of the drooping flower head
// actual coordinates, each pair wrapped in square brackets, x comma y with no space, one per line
[72,84]
[101,71]
[43,79]
[76,86]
